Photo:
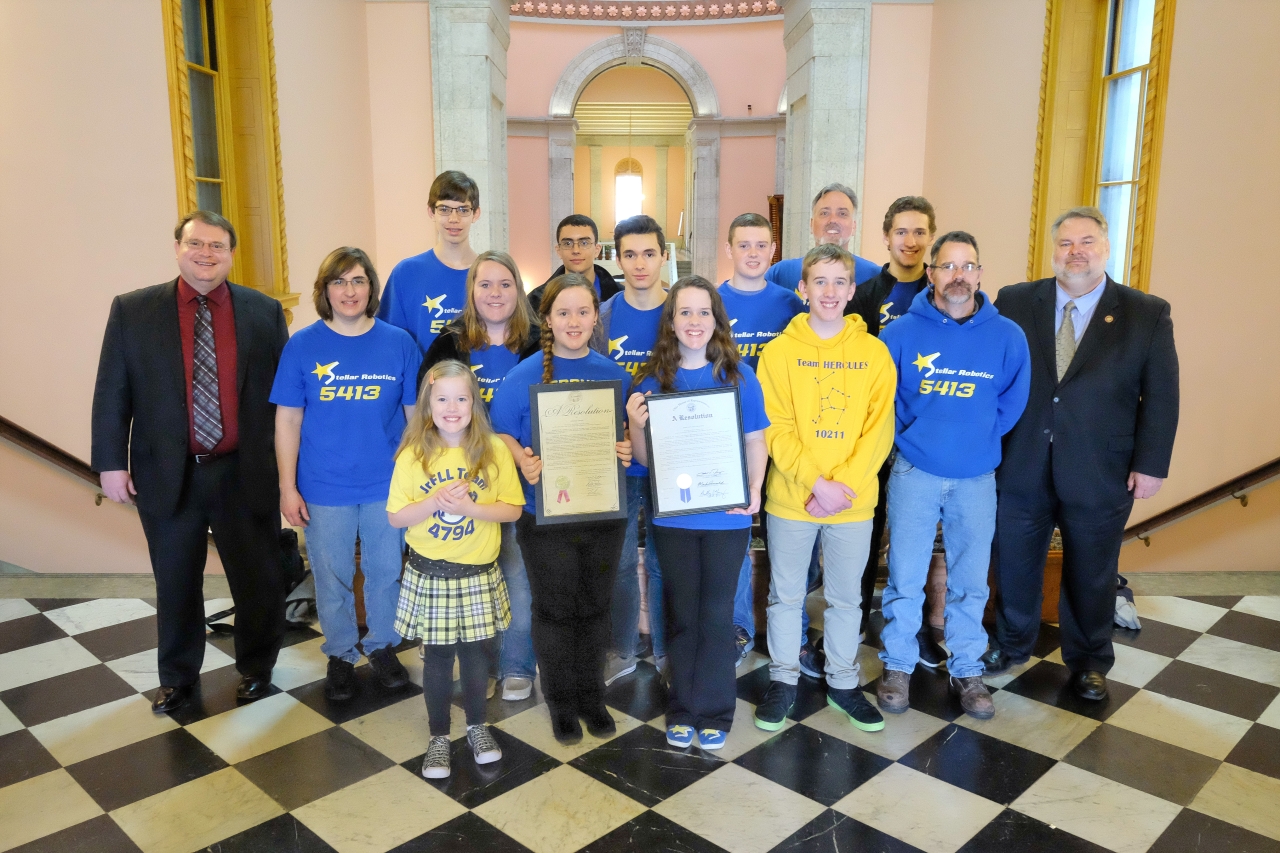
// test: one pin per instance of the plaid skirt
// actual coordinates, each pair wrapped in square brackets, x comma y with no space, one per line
[442,611]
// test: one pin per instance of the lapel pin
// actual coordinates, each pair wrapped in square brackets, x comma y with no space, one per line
[1108,319]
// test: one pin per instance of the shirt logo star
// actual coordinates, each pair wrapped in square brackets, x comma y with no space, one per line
[325,370]
[436,304]
[884,312]
[923,361]
[616,344]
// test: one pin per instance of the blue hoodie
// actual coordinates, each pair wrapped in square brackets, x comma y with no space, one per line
[961,386]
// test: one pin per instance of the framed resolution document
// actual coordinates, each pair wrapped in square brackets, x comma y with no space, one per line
[697,462]
[576,426]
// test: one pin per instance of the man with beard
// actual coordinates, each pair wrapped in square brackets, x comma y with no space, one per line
[1097,433]
[963,376]
[834,219]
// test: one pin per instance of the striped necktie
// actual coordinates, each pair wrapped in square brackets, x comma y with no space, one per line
[204,379]
[1065,345]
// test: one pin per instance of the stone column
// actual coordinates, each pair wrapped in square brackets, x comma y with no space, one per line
[660,189]
[597,189]
[828,46]
[703,150]
[469,41]
[561,133]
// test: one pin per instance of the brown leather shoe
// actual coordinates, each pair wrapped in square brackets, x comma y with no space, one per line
[975,699]
[893,692]
[171,698]
[253,687]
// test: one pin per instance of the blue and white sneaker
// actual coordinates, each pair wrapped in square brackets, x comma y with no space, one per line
[711,738]
[680,736]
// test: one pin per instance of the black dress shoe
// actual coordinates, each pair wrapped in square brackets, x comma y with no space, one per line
[564,724]
[997,661]
[171,698]
[599,721]
[1090,685]
[253,687]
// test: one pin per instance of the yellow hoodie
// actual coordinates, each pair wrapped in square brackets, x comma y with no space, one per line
[830,407]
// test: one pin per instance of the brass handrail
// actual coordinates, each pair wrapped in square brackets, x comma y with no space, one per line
[51,453]
[1237,489]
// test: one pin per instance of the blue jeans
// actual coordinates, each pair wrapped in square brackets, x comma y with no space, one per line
[967,508]
[626,589]
[331,547]
[744,612]
[516,657]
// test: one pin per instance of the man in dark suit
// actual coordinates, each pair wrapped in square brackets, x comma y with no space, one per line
[182,428]
[1096,434]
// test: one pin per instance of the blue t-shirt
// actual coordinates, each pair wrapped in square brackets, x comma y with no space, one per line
[491,364]
[758,317]
[787,272]
[352,390]
[898,302]
[509,410]
[421,295]
[750,406]
[632,334]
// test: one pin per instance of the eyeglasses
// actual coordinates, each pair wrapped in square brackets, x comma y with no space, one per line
[447,210]
[581,243]
[200,246]
[967,269]
[359,282]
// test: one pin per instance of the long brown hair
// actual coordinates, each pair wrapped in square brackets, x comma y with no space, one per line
[423,439]
[555,287]
[721,350]
[475,335]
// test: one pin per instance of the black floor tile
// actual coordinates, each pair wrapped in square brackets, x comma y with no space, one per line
[752,685]
[930,693]
[137,771]
[1159,638]
[1212,688]
[643,766]
[100,835]
[293,636]
[215,693]
[641,695]
[1162,769]
[978,763]
[1014,832]
[46,604]
[1048,641]
[1259,751]
[465,832]
[650,832]
[23,757]
[306,770]
[283,834]
[496,709]
[1193,832]
[811,694]
[1227,601]
[42,701]
[370,696]
[832,832]
[1241,627]
[28,631]
[474,784]
[118,641]
[819,766]
[1051,683]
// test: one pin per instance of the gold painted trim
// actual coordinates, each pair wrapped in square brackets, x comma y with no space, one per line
[184,161]
[280,249]
[1039,176]
[1144,217]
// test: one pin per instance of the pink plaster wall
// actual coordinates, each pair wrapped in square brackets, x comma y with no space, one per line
[746,182]
[634,84]
[897,107]
[530,217]
[747,63]
[536,58]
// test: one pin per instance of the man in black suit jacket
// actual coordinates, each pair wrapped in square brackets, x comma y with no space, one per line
[182,427]
[1096,434]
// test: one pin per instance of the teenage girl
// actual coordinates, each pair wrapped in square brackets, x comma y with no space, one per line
[497,330]
[454,484]
[701,552]
[571,566]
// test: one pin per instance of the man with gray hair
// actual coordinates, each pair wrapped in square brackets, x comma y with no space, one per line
[1097,433]
[833,219]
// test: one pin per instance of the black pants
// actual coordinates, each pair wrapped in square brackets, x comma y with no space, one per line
[877,539]
[1091,535]
[249,546]
[571,570]
[437,682]
[699,579]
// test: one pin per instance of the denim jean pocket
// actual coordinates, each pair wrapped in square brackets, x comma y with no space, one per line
[901,465]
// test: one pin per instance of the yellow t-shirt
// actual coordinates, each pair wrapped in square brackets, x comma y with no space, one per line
[455,538]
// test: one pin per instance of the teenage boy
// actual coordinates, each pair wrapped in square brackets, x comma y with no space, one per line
[428,290]
[833,219]
[828,390]
[758,312]
[909,225]
[627,332]
[577,244]
[964,373]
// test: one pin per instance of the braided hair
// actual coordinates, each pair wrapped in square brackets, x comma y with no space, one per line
[555,287]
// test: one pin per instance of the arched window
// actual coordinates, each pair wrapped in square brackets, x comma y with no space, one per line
[628,189]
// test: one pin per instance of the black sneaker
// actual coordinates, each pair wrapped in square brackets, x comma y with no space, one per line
[340,682]
[745,643]
[812,660]
[387,667]
[772,711]
[997,661]
[861,712]
[932,655]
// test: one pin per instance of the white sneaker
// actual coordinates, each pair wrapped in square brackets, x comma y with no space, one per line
[483,746]
[435,765]
[616,666]
[516,687]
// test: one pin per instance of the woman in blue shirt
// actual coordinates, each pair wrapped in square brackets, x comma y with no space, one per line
[701,552]
[343,389]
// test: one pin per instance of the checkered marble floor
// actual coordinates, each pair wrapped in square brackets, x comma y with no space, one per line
[1185,755]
